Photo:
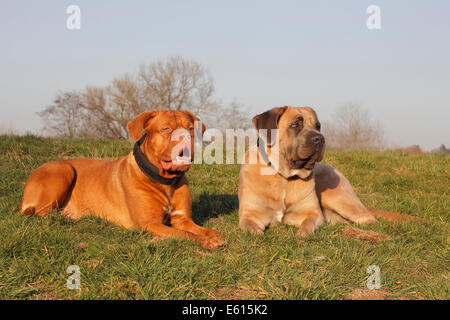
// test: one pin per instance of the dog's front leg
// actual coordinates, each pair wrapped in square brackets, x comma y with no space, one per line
[306,215]
[162,231]
[151,219]
[181,219]
[307,222]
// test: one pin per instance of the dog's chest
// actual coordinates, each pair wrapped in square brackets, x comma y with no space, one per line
[295,197]
[277,216]
[295,193]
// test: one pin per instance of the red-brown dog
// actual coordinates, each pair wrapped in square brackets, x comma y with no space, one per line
[146,189]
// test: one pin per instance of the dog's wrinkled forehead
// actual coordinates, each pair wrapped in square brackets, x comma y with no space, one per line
[172,119]
[159,121]
[292,113]
[282,118]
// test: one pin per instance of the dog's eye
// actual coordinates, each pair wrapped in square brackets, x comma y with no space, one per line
[297,123]
[165,129]
[318,126]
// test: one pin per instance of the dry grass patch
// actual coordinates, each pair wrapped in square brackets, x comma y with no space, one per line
[367,294]
[239,293]
[366,235]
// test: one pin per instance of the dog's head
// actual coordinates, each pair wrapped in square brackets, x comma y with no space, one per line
[169,141]
[301,144]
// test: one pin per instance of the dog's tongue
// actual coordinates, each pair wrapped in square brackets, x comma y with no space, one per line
[175,164]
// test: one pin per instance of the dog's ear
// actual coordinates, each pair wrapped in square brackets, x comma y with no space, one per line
[194,119]
[138,123]
[269,120]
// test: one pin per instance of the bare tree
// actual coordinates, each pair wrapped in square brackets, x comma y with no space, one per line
[173,84]
[176,84]
[234,116]
[112,107]
[65,116]
[352,128]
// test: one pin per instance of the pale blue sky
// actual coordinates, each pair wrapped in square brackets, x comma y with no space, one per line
[261,54]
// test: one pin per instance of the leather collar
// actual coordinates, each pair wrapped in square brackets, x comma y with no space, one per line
[149,169]
[262,151]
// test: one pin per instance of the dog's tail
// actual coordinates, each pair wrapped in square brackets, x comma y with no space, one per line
[391,216]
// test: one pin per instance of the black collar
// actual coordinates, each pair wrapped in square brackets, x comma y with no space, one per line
[150,170]
[263,153]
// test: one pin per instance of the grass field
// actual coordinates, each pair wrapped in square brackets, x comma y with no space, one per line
[117,263]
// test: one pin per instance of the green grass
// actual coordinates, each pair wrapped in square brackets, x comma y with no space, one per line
[120,264]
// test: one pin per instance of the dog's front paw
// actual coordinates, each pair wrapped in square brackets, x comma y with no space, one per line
[304,232]
[366,219]
[306,229]
[212,233]
[212,242]
[251,226]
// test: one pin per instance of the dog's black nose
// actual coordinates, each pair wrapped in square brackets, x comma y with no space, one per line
[317,139]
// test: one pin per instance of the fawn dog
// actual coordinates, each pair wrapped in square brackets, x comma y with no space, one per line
[299,191]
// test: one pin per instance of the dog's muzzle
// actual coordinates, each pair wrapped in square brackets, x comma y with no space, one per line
[316,144]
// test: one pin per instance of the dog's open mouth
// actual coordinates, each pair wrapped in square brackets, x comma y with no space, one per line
[178,164]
